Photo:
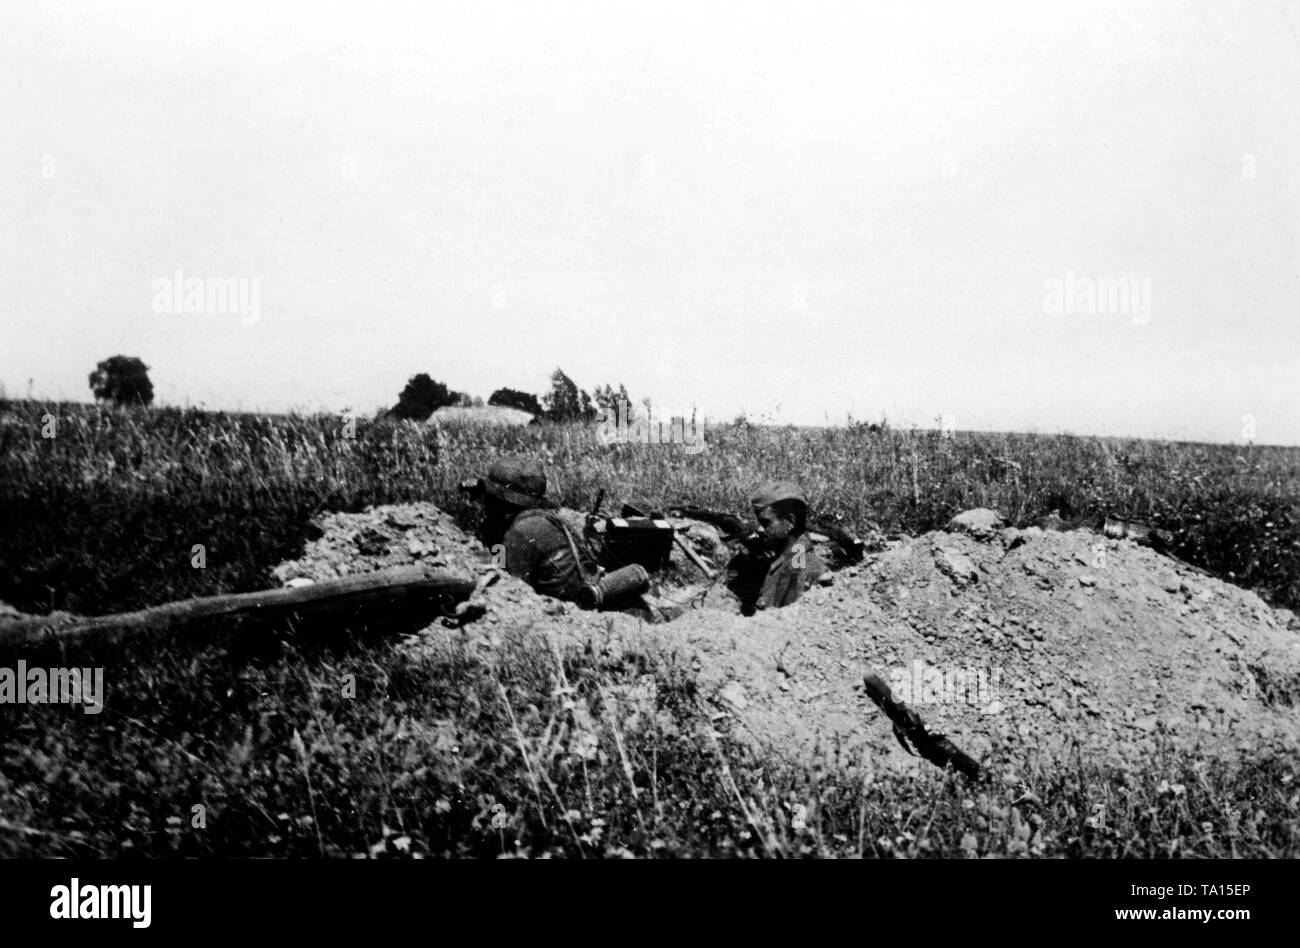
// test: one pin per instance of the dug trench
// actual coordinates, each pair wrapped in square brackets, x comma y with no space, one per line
[1033,645]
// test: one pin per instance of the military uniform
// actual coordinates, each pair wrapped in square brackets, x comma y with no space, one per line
[763,579]
[539,547]
[791,574]
[541,550]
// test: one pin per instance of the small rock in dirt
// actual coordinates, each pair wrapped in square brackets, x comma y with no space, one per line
[402,519]
[957,566]
[1012,538]
[734,695]
[980,523]
[1087,580]
[371,542]
[1051,522]
[283,573]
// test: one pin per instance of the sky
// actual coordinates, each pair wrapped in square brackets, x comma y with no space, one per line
[798,211]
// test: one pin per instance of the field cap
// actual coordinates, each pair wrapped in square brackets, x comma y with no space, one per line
[522,483]
[773,492]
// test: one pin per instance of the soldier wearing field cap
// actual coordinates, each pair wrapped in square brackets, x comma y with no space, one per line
[778,569]
[539,547]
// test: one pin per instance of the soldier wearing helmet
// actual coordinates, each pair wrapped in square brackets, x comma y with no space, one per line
[538,546]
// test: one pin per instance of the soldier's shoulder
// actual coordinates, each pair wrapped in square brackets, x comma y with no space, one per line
[533,522]
[805,556]
[805,548]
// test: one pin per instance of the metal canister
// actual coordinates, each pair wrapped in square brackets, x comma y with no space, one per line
[1138,532]
[1125,530]
[615,587]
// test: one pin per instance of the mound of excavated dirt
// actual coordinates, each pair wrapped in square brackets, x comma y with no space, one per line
[383,537]
[1021,638]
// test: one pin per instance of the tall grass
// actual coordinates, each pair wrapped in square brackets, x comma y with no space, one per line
[234,746]
[230,749]
[104,515]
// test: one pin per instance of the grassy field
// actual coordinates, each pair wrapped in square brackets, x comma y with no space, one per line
[445,755]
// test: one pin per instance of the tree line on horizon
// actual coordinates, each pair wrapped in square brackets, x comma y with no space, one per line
[565,402]
[124,380]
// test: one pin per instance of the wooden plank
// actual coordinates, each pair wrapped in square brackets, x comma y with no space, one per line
[404,590]
[694,557]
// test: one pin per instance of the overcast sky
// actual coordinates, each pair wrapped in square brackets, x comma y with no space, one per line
[796,210]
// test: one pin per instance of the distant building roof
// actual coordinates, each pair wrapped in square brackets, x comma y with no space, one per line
[486,415]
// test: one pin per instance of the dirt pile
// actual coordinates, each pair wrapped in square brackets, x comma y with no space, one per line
[1079,638]
[1020,638]
[383,537]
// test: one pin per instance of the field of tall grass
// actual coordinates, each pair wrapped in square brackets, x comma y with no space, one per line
[102,515]
[445,755]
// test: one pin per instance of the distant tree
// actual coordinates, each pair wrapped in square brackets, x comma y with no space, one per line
[422,397]
[869,427]
[123,380]
[561,402]
[567,402]
[511,398]
[465,400]
[607,398]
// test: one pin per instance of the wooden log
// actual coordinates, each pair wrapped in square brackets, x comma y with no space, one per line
[404,591]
